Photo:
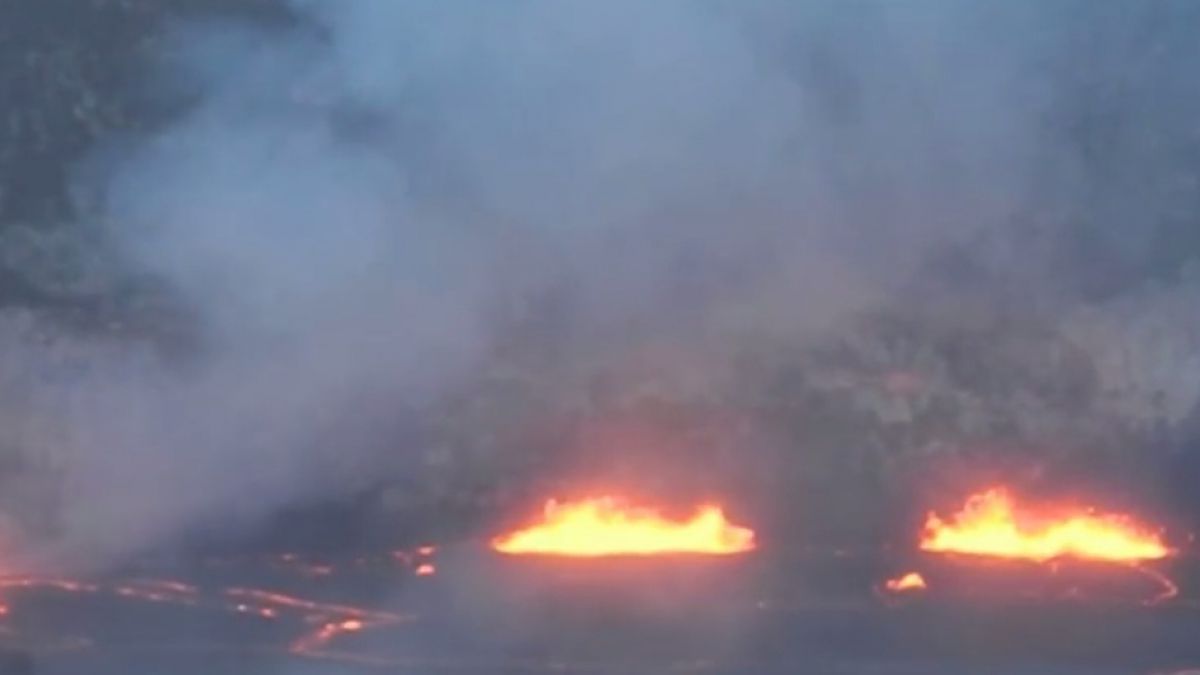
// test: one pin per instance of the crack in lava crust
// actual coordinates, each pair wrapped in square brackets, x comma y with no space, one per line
[324,622]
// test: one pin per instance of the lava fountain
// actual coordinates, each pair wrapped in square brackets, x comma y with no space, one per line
[991,524]
[607,526]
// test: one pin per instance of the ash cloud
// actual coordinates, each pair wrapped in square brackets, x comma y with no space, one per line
[359,206]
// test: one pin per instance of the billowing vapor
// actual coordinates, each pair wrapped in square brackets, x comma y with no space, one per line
[359,206]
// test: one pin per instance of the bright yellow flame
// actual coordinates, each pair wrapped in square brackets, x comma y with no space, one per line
[908,582]
[606,526]
[990,525]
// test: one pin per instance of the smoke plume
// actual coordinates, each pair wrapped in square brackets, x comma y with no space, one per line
[359,205]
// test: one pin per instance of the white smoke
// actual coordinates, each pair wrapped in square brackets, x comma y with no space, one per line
[352,196]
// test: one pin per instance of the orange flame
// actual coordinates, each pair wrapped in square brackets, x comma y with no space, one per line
[606,526]
[912,581]
[990,525]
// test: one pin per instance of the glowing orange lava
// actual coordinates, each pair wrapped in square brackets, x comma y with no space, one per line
[607,526]
[905,583]
[991,525]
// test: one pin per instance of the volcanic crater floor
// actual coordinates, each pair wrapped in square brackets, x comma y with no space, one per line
[482,613]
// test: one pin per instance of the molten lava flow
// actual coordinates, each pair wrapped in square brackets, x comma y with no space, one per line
[990,525]
[606,526]
[906,583]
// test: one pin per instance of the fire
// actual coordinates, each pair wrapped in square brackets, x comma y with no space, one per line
[607,526]
[912,581]
[990,525]
[425,570]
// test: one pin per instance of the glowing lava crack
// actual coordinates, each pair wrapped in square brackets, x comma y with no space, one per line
[324,622]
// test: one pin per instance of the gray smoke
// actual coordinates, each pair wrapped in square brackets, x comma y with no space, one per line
[355,204]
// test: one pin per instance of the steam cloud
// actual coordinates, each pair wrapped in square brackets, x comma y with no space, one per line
[355,200]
